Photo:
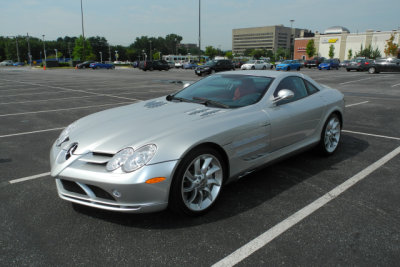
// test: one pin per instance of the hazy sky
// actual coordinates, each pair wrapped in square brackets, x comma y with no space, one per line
[121,21]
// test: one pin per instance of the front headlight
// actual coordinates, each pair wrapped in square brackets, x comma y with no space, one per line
[130,160]
[64,136]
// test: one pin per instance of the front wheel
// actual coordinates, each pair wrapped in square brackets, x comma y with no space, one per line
[288,69]
[330,135]
[372,70]
[197,182]
[264,68]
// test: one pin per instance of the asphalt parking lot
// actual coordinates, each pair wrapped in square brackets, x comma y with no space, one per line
[303,211]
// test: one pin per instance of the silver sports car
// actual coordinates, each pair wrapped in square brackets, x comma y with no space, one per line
[179,151]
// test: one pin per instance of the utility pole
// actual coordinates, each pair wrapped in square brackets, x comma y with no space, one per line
[291,40]
[69,52]
[109,53]
[29,50]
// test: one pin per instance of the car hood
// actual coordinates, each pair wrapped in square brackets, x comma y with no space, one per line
[282,65]
[137,124]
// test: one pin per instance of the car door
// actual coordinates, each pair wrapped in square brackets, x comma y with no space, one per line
[296,119]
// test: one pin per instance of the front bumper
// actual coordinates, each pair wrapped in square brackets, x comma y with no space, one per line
[92,185]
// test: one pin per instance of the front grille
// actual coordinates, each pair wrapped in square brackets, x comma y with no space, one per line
[72,187]
[90,190]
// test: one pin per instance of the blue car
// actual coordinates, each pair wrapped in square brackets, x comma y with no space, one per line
[329,64]
[19,64]
[99,65]
[289,65]
[190,65]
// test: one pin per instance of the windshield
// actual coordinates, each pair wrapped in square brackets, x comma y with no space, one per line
[230,90]
[251,62]
[210,63]
[287,62]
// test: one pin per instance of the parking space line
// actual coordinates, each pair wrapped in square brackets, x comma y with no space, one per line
[68,89]
[54,110]
[374,135]
[395,85]
[44,100]
[356,80]
[33,132]
[355,104]
[265,238]
[29,178]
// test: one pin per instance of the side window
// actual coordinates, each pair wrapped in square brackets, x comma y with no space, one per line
[311,89]
[296,85]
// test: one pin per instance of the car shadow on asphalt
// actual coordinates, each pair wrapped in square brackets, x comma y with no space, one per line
[247,193]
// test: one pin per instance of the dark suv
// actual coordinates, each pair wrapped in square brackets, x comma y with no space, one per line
[214,66]
[154,65]
[313,63]
[359,64]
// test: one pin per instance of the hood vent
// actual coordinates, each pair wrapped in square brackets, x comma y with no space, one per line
[155,104]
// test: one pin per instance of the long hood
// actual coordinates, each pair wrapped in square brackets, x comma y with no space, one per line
[137,124]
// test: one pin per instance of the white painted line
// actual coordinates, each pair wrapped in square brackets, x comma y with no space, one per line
[355,104]
[374,135]
[33,132]
[29,178]
[45,100]
[356,80]
[62,109]
[265,238]
[395,85]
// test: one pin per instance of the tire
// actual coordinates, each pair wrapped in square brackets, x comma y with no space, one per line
[298,69]
[372,70]
[264,67]
[348,70]
[330,136]
[197,182]
[212,71]
[271,67]
[288,69]
[253,68]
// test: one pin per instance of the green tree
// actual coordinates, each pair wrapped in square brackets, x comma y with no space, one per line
[211,51]
[99,44]
[350,54]
[247,52]
[257,53]
[310,48]
[331,51]
[391,48]
[77,54]
[229,54]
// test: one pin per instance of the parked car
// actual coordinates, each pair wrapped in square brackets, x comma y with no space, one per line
[178,64]
[179,151]
[329,64]
[85,64]
[214,66]
[6,63]
[171,64]
[344,63]
[256,65]
[311,63]
[19,64]
[154,65]
[359,65]
[384,64]
[238,63]
[99,65]
[190,65]
[288,65]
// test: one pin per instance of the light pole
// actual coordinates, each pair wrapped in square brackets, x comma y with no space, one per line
[29,50]
[16,43]
[101,57]
[44,50]
[83,35]
[199,33]
[291,39]
[56,54]
[151,58]
[116,55]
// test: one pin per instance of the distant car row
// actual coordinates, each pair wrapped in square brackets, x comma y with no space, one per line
[95,65]
[11,63]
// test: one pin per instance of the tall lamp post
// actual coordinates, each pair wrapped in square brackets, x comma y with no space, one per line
[16,43]
[83,35]
[44,50]
[101,57]
[291,39]
[116,55]
[29,50]
[199,34]
[151,57]
[55,50]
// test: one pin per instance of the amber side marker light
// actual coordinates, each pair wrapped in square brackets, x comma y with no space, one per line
[155,180]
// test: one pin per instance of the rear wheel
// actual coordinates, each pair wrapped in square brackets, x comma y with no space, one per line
[330,135]
[253,68]
[197,182]
[372,70]
[264,68]
[348,69]
[288,69]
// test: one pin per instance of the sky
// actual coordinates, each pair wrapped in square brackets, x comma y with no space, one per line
[121,21]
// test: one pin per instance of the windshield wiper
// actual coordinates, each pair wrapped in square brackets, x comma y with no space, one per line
[209,102]
[180,99]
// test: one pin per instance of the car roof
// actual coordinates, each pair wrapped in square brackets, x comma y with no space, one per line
[263,73]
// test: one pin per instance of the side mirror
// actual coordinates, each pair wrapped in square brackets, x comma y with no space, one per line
[283,94]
